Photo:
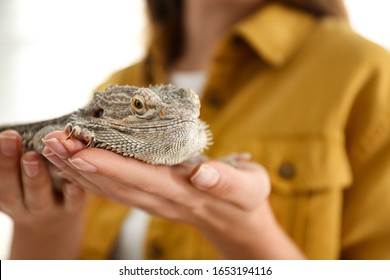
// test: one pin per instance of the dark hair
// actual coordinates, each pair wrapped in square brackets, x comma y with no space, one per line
[166,23]
[166,19]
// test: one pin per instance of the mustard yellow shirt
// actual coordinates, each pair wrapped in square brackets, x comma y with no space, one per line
[310,100]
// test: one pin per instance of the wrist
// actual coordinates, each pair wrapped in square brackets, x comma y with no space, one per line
[269,240]
[257,236]
[46,228]
[47,241]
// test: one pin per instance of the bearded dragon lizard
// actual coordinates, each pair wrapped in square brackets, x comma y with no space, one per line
[156,124]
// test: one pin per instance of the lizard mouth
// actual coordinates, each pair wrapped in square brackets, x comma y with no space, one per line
[120,125]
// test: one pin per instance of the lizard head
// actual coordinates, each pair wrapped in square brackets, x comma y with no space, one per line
[157,124]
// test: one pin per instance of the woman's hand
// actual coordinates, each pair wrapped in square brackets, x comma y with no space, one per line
[45,225]
[228,205]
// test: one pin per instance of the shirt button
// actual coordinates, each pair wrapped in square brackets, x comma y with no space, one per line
[214,100]
[287,170]
[156,251]
[237,42]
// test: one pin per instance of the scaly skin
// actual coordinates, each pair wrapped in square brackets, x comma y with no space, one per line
[158,124]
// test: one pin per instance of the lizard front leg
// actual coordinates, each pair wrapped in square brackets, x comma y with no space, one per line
[231,159]
[84,135]
[32,140]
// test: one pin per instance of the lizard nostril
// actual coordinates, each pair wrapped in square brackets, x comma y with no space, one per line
[99,113]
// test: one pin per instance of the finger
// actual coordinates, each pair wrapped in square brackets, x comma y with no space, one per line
[58,143]
[10,184]
[57,150]
[37,185]
[129,196]
[150,203]
[155,189]
[164,181]
[245,186]
[113,167]
[92,171]
[74,198]
[68,173]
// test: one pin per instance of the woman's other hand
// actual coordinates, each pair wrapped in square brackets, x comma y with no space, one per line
[46,224]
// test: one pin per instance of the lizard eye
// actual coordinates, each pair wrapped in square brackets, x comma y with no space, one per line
[138,106]
[98,113]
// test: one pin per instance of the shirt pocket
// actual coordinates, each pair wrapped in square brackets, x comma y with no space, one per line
[308,176]
[304,163]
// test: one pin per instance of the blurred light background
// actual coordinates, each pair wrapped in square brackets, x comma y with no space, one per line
[54,53]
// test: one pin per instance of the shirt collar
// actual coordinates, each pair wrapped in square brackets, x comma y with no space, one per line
[276,31]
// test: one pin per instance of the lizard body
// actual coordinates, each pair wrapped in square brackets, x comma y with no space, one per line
[157,124]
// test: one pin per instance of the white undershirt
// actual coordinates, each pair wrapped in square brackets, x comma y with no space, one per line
[194,80]
[130,244]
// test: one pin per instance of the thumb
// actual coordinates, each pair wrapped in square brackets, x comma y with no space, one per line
[245,186]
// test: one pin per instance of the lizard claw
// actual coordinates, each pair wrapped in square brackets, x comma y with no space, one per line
[90,142]
[70,130]
[234,158]
[84,135]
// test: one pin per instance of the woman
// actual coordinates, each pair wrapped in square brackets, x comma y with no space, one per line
[287,81]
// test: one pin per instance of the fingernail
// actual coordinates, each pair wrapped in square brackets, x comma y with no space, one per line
[82,165]
[72,190]
[31,168]
[56,147]
[8,145]
[205,176]
[63,175]
[54,159]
